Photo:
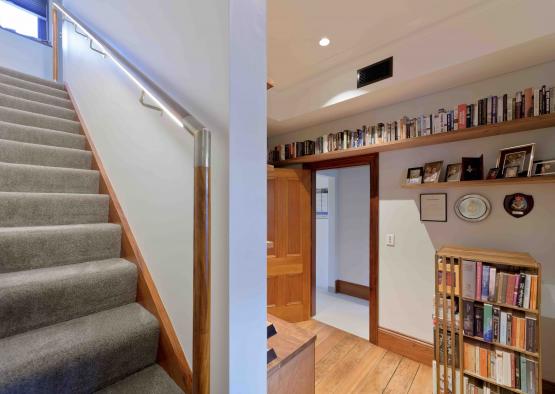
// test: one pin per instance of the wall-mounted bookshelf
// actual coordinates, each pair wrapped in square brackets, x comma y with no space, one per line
[512,126]
[531,180]
[486,321]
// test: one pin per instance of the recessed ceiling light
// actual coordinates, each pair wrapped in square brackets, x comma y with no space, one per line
[324,41]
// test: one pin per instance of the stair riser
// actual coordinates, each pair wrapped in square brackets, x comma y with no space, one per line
[31,78]
[35,87]
[14,91]
[35,179]
[37,108]
[36,120]
[35,135]
[30,248]
[38,298]
[75,357]
[36,209]
[22,153]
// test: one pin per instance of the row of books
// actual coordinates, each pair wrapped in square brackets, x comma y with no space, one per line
[495,325]
[484,282]
[488,110]
[475,386]
[505,368]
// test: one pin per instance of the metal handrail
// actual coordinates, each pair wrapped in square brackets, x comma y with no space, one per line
[202,232]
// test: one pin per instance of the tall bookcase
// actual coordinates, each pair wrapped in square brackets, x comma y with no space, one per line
[452,296]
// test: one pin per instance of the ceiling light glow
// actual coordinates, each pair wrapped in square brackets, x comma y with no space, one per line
[324,42]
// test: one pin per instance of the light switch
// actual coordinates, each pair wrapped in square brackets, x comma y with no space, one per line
[390,240]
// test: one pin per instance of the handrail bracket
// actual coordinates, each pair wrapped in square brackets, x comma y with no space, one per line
[142,101]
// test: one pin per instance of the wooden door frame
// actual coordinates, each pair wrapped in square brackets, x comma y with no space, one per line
[371,160]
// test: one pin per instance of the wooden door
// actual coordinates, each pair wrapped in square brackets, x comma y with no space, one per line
[289,243]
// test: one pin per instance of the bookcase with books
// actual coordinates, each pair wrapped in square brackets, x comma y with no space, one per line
[486,315]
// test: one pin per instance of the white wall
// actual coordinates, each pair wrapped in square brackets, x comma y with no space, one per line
[210,56]
[406,271]
[25,55]
[353,224]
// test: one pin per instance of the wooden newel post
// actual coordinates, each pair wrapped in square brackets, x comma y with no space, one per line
[201,265]
[55,45]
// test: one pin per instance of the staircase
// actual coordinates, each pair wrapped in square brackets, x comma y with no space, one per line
[69,322]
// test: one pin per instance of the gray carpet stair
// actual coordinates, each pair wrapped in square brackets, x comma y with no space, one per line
[68,318]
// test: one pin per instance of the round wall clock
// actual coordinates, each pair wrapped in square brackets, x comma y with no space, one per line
[472,208]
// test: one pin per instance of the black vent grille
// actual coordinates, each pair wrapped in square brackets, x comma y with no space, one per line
[375,72]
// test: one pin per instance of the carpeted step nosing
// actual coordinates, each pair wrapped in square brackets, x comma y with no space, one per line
[42,155]
[32,95]
[25,248]
[31,78]
[151,380]
[49,209]
[44,179]
[36,107]
[36,87]
[27,118]
[40,136]
[81,355]
[40,297]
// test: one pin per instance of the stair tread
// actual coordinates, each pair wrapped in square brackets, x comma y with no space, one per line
[33,86]
[27,118]
[19,209]
[39,297]
[44,155]
[80,355]
[32,78]
[151,380]
[40,136]
[32,95]
[36,107]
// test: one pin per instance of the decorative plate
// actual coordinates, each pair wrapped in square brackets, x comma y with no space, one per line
[472,208]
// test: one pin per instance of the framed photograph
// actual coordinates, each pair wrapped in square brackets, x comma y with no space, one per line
[453,172]
[432,171]
[511,172]
[493,173]
[414,175]
[546,167]
[433,207]
[521,156]
[472,168]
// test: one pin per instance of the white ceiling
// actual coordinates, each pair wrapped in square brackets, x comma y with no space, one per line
[355,27]
[436,44]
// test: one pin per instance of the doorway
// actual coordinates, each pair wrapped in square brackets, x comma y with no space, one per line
[342,248]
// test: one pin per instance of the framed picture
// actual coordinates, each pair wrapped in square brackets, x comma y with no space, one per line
[493,173]
[472,168]
[521,156]
[432,171]
[453,172]
[433,207]
[414,175]
[512,172]
[546,167]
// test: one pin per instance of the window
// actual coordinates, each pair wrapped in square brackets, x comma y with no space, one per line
[28,18]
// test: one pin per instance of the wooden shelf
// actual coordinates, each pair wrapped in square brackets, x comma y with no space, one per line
[513,126]
[488,380]
[490,256]
[500,345]
[501,305]
[531,180]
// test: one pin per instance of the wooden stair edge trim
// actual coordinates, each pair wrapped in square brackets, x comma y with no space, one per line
[406,346]
[171,356]
[352,289]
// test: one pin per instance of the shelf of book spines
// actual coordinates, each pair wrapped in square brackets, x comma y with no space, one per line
[500,304]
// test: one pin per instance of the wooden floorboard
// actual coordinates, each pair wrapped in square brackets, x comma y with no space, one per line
[346,364]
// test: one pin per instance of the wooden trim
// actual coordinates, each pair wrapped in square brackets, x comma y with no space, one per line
[373,161]
[512,126]
[55,45]
[534,180]
[352,289]
[201,283]
[406,346]
[313,245]
[170,353]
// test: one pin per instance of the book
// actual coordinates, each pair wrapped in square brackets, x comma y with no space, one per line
[510,289]
[492,282]
[478,295]
[485,283]
[533,292]
[468,318]
[518,105]
[531,334]
[503,328]
[488,323]
[509,339]
[479,321]
[527,284]
[515,291]
[469,279]
[528,103]
[521,284]
[495,323]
